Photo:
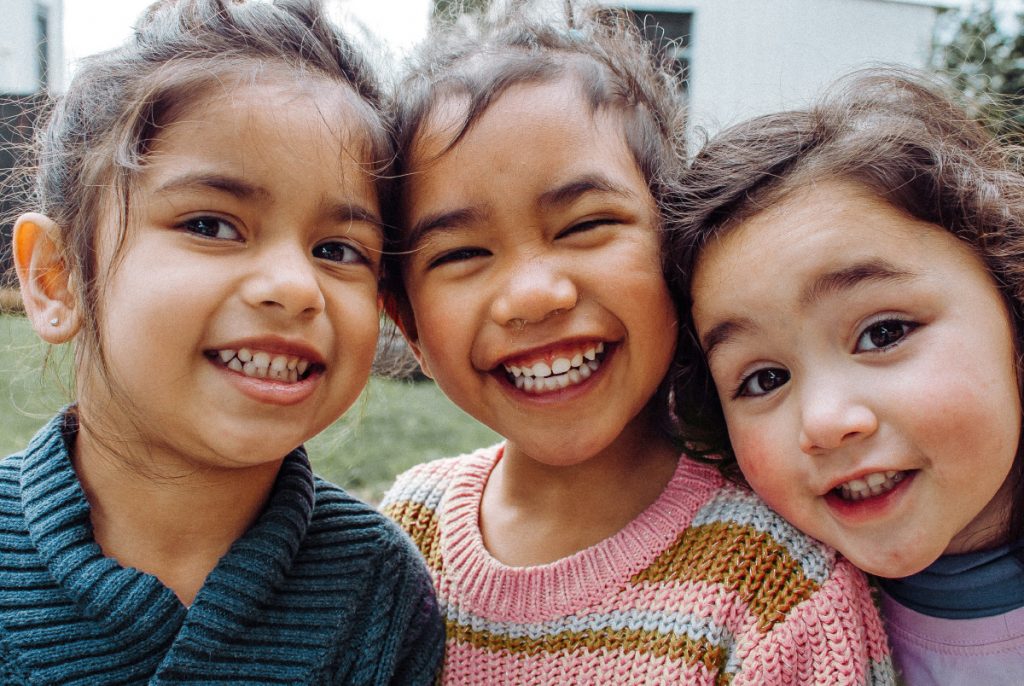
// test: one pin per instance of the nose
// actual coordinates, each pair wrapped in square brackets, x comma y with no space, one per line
[533,290]
[832,418]
[284,280]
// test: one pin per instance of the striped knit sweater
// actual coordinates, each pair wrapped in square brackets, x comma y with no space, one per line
[706,586]
[321,589]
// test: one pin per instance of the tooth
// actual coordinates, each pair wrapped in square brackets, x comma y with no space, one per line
[528,383]
[897,477]
[590,353]
[585,372]
[593,364]
[293,375]
[249,368]
[857,484]
[515,371]
[574,376]
[550,383]
[876,479]
[261,359]
[226,355]
[560,366]
[293,362]
[245,354]
[577,359]
[235,364]
[279,363]
[541,369]
[302,366]
[562,380]
[600,347]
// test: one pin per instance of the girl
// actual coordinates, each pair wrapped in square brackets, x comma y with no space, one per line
[209,235]
[858,300]
[539,162]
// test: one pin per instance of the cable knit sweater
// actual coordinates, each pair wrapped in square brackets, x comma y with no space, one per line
[706,586]
[321,589]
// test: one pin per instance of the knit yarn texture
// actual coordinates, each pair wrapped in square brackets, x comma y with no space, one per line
[706,586]
[322,589]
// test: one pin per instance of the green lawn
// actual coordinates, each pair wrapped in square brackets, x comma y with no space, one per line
[393,425]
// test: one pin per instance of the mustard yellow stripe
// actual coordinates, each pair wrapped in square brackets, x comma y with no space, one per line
[654,643]
[741,559]
[420,522]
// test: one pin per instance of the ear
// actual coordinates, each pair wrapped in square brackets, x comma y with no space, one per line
[46,283]
[401,314]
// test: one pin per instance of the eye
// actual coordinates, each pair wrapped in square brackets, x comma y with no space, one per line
[762,382]
[884,334]
[583,226]
[211,227]
[340,252]
[457,255]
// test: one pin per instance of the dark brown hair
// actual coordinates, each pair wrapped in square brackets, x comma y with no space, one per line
[899,134]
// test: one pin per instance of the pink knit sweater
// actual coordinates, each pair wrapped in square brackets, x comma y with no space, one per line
[706,586]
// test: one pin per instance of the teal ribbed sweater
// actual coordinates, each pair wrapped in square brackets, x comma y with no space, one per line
[320,590]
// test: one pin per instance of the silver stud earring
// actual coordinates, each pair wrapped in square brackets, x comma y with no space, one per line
[54,322]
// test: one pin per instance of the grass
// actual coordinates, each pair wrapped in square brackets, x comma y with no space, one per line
[393,425]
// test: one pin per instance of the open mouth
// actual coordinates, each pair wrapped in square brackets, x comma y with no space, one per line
[869,486]
[565,370]
[260,364]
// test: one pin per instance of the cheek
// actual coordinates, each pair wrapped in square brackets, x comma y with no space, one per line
[761,455]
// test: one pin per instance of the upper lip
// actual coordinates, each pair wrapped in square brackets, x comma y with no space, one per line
[275,345]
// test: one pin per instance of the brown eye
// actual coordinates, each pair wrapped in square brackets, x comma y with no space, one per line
[763,381]
[884,334]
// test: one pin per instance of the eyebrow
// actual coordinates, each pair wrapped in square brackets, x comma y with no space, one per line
[839,280]
[829,283]
[441,221]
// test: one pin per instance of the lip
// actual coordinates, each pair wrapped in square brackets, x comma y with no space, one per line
[275,345]
[549,352]
[872,506]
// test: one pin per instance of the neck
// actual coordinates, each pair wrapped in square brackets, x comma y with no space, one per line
[151,513]
[535,513]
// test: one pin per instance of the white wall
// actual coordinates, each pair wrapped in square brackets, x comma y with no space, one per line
[750,57]
[18,58]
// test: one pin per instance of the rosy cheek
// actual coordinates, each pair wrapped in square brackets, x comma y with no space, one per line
[754,457]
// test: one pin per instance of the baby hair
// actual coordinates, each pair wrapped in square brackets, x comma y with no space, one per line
[94,139]
[897,133]
[600,49]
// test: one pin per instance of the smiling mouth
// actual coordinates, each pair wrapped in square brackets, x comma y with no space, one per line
[869,486]
[260,364]
[562,372]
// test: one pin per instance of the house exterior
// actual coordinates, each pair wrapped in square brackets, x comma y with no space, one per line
[749,57]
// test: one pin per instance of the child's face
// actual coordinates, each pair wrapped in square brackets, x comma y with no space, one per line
[540,306]
[253,245]
[865,363]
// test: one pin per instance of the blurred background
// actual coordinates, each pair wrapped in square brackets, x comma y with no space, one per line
[739,57]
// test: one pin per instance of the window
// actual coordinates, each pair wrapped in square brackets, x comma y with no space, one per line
[42,46]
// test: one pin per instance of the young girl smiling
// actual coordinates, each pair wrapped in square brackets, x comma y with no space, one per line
[857,299]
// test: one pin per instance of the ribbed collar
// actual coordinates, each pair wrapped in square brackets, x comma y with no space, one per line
[978,584]
[57,516]
[488,587]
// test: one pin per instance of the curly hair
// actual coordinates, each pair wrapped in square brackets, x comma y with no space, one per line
[898,133]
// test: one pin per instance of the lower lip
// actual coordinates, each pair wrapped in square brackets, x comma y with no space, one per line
[870,508]
[559,395]
[272,391]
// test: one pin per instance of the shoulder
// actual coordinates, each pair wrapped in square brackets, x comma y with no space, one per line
[339,518]
[423,486]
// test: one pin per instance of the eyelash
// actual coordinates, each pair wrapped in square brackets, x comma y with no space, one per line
[907,327]
[360,256]
[192,225]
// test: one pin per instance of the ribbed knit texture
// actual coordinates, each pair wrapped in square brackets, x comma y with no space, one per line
[320,590]
[706,586]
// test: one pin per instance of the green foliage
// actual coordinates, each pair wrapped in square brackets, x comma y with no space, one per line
[394,424]
[983,55]
[450,10]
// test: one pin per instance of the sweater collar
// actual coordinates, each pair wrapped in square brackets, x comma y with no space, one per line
[57,516]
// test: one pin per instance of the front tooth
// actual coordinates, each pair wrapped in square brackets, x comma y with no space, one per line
[577,359]
[590,354]
[857,484]
[560,366]
[876,479]
[541,369]
[550,383]
[261,359]
[279,363]
[245,354]
[226,355]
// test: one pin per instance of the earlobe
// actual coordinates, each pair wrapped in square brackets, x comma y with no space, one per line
[46,282]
